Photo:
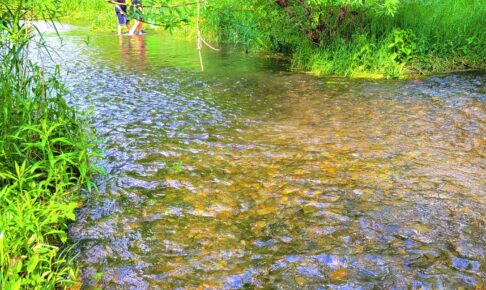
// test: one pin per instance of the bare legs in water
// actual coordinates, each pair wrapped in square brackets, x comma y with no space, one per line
[137,26]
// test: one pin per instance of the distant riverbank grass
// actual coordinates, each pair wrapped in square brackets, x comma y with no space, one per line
[97,14]
[44,161]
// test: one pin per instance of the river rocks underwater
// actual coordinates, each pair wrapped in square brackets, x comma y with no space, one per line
[252,176]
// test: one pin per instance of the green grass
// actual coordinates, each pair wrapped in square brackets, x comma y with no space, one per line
[44,161]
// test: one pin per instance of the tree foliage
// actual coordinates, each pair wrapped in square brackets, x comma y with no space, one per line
[320,20]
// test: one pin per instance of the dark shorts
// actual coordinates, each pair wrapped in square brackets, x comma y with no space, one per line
[122,18]
[135,13]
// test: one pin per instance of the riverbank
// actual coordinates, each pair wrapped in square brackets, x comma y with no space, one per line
[407,39]
[45,157]
[404,40]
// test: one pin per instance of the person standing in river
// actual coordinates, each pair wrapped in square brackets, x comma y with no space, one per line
[121,14]
[136,12]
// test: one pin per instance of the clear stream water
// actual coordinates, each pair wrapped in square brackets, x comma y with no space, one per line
[251,176]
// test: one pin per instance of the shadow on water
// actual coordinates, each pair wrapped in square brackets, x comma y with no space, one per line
[248,175]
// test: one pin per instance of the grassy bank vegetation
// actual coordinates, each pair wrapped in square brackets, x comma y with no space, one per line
[44,158]
[384,38]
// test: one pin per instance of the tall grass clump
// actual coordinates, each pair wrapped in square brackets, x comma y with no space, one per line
[450,33]
[44,158]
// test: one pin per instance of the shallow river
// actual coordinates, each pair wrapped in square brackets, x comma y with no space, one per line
[251,176]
